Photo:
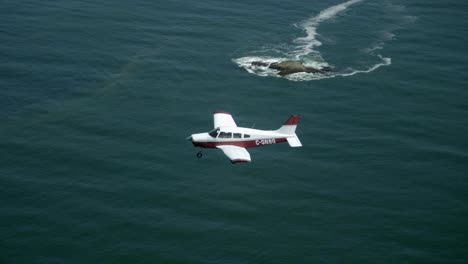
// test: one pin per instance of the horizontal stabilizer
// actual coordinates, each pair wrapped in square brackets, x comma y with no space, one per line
[294,141]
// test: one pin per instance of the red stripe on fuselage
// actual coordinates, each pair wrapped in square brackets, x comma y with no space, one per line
[244,144]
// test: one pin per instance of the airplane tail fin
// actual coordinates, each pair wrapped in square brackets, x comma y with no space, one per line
[289,128]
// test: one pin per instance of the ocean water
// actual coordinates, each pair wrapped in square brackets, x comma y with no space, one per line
[97,97]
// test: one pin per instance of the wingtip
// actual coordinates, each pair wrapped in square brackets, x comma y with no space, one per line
[234,161]
[221,112]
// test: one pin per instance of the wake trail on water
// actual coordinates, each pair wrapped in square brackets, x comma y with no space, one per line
[310,26]
[303,50]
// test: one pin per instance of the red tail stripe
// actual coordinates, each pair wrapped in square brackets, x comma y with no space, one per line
[293,120]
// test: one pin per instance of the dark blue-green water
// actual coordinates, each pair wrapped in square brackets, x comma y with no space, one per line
[97,97]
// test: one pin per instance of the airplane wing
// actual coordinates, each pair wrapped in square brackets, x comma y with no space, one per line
[225,119]
[235,153]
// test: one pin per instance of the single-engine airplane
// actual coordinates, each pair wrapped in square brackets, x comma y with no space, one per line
[234,140]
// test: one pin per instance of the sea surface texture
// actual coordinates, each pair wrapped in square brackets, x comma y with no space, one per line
[97,98]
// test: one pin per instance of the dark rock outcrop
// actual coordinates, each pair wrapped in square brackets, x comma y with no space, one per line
[260,63]
[290,67]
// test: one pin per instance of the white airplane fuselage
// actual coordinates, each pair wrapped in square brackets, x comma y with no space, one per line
[237,136]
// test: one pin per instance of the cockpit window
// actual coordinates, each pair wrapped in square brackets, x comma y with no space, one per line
[225,135]
[237,135]
[214,133]
[246,136]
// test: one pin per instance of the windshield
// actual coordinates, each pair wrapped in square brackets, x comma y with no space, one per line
[214,133]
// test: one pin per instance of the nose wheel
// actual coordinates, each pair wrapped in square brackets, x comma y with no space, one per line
[199,154]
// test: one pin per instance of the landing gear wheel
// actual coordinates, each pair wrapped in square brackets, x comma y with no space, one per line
[199,154]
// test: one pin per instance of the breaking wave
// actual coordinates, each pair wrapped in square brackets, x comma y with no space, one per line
[303,50]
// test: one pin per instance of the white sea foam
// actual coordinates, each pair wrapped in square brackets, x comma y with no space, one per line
[303,50]
[246,63]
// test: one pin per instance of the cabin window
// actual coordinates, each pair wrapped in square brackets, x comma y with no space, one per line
[225,135]
[237,135]
[246,136]
[214,133]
